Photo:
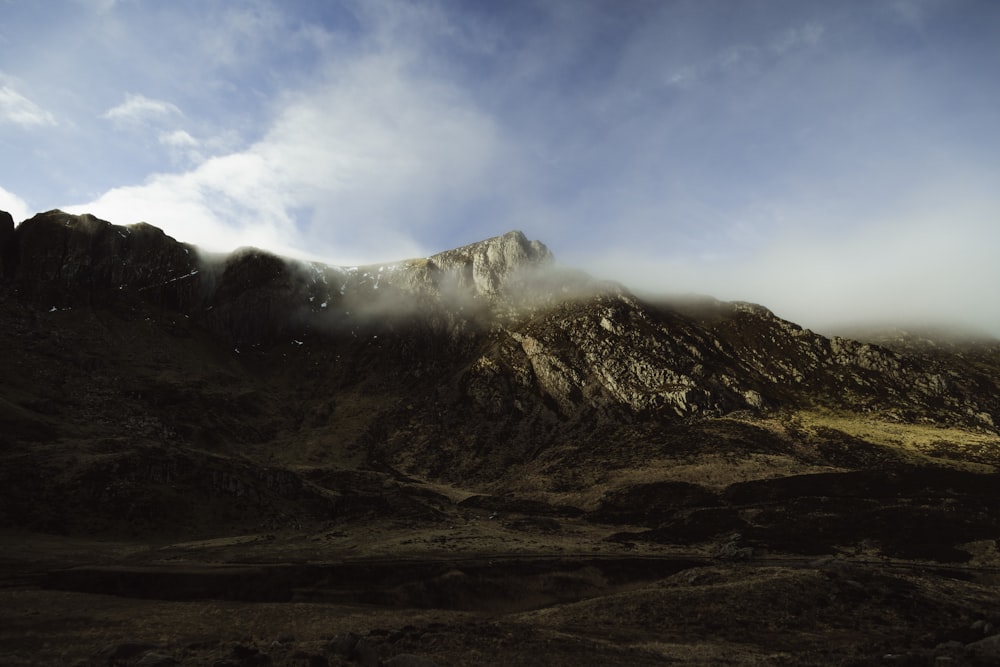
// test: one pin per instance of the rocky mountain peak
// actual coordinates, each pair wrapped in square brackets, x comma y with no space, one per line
[487,266]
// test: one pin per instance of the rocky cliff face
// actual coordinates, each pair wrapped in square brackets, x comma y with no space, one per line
[6,232]
[539,336]
[462,365]
[66,260]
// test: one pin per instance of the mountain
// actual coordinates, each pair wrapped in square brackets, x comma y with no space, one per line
[153,392]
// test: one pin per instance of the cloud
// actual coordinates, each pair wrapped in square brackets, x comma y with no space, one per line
[183,148]
[351,168]
[804,35]
[17,207]
[708,149]
[201,207]
[17,109]
[178,139]
[139,108]
[929,261]
[751,54]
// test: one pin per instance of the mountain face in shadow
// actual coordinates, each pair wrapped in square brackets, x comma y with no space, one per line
[149,386]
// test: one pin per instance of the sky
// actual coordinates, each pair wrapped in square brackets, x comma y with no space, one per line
[837,162]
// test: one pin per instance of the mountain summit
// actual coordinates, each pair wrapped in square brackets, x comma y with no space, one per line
[488,265]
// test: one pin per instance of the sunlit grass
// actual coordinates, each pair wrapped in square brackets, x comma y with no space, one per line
[959,446]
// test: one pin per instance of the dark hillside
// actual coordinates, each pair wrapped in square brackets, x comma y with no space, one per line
[399,449]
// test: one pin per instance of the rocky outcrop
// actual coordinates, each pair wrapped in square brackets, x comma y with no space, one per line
[611,352]
[61,260]
[489,268]
[794,363]
[6,233]
[522,336]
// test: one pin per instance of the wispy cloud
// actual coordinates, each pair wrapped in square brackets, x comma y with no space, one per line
[139,108]
[753,54]
[804,35]
[17,109]
[178,139]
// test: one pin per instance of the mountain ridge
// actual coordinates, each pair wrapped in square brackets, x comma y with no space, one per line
[487,366]
[506,292]
[481,431]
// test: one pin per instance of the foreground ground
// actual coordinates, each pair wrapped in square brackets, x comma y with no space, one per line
[475,590]
[808,538]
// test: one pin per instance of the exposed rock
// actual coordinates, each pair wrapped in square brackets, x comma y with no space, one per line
[490,266]
[6,234]
[731,549]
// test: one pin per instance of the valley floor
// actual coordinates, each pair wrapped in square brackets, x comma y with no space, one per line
[325,599]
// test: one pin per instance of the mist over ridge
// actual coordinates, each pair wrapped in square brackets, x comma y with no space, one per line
[846,306]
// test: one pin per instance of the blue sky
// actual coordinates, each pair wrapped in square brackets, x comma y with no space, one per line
[835,161]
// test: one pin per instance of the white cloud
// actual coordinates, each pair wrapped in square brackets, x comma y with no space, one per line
[138,108]
[183,148]
[350,169]
[178,139]
[17,207]
[199,209]
[918,264]
[17,109]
